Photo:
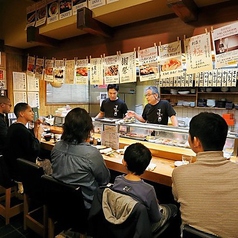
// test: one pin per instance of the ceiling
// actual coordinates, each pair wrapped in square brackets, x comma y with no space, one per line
[13,15]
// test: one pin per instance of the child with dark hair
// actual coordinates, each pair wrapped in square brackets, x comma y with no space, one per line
[136,159]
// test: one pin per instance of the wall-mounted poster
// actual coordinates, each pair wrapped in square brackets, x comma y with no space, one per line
[198,53]
[95,3]
[170,56]
[225,44]
[19,81]
[81,71]
[148,63]
[96,71]
[127,69]
[65,8]
[111,69]
[77,4]
[39,68]
[3,80]
[48,72]
[31,15]
[41,13]
[52,11]
[59,71]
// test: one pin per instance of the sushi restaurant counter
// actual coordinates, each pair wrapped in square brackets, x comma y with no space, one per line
[161,166]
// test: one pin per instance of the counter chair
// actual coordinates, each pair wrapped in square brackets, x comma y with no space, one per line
[190,232]
[131,221]
[65,207]
[10,204]
[35,216]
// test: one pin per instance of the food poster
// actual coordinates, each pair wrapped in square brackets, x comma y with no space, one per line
[111,66]
[170,57]
[81,71]
[19,81]
[127,69]
[96,3]
[48,74]
[198,53]
[31,15]
[3,79]
[77,4]
[65,7]
[148,63]
[59,71]
[32,83]
[225,45]
[96,71]
[39,66]
[41,13]
[30,67]
[33,99]
[52,11]
[69,71]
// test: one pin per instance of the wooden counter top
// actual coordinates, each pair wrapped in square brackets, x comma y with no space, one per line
[161,174]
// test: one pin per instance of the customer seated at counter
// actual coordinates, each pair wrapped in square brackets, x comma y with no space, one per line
[157,111]
[207,190]
[112,107]
[74,160]
[136,159]
[22,142]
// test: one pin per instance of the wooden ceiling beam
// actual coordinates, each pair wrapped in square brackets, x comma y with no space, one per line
[33,35]
[87,23]
[186,10]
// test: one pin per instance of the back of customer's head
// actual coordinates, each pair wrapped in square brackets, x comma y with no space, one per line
[78,125]
[211,129]
[113,86]
[20,107]
[137,156]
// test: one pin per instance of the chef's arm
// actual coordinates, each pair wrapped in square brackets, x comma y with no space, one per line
[135,115]
[100,115]
[174,120]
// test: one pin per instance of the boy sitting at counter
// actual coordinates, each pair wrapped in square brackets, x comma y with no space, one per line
[136,159]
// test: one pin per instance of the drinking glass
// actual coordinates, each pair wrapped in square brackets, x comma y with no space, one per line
[186,159]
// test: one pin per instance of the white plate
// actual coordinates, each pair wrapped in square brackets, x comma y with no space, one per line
[183,92]
[178,163]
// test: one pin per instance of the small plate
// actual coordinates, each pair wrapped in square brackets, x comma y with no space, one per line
[178,163]
[183,92]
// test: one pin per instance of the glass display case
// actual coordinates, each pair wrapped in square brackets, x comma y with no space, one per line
[161,134]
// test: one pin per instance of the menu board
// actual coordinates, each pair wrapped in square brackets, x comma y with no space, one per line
[96,71]
[111,66]
[170,56]
[127,69]
[198,53]
[148,63]
[225,44]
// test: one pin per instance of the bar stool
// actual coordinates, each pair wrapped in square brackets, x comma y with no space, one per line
[8,190]
[191,232]
[65,207]
[35,215]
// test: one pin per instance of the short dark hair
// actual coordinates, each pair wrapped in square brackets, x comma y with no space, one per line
[113,86]
[211,129]
[77,126]
[137,156]
[20,107]
[4,99]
